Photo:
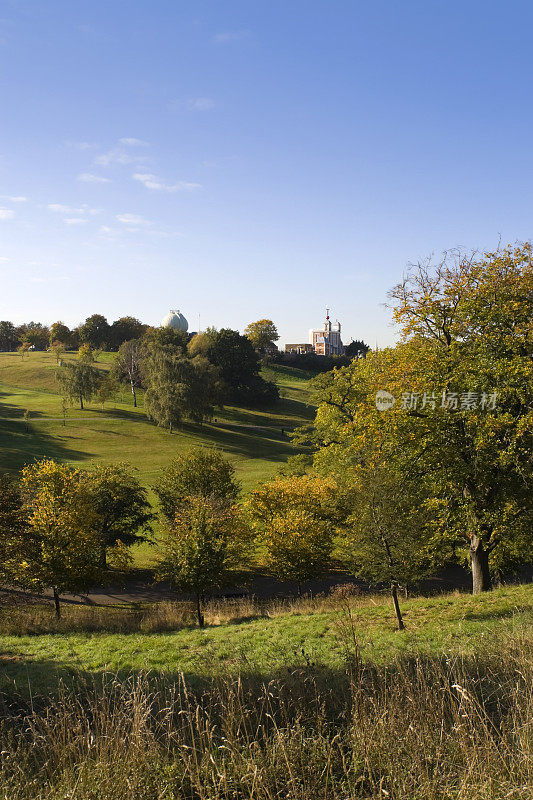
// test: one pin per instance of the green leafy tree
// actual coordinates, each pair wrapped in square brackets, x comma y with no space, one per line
[58,349]
[95,331]
[262,334]
[79,381]
[204,549]
[62,550]
[122,512]
[235,357]
[59,332]
[107,387]
[16,545]
[198,472]
[125,329]
[9,340]
[356,349]
[177,387]
[466,334]
[35,334]
[296,518]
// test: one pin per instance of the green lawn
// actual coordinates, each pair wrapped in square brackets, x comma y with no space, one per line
[252,439]
[444,625]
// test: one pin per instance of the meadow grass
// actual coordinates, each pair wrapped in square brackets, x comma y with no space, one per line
[249,636]
[453,721]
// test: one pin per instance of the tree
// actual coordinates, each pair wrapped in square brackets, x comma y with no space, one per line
[466,334]
[8,336]
[238,363]
[204,549]
[58,349]
[127,365]
[199,472]
[262,334]
[125,329]
[62,550]
[15,543]
[34,334]
[356,349]
[177,387]
[122,511]
[59,332]
[386,537]
[79,381]
[23,349]
[106,389]
[295,518]
[85,353]
[95,331]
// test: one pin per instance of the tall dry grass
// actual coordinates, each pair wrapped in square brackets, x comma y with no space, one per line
[165,615]
[421,729]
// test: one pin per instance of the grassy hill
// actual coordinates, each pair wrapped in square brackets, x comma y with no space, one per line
[251,438]
[256,441]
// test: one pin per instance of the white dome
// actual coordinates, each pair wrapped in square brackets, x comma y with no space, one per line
[176,320]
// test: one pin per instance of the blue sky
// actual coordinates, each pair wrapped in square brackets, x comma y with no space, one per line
[253,159]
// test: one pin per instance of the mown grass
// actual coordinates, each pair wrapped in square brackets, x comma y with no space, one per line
[256,441]
[249,637]
[452,722]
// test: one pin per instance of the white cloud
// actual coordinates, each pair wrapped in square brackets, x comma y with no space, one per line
[74,221]
[3,259]
[6,213]
[132,219]
[202,104]
[153,182]
[62,209]
[81,145]
[117,156]
[88,177]
[16,199]
[230,36]
[132,142]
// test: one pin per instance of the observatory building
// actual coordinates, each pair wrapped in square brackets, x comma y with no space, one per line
[324,341]
[175,319]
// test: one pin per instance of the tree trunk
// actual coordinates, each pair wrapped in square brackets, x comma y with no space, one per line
[81,402]
[481,580]
[395,603]
[199,614]
[170,428]
[56,603]
[134,396]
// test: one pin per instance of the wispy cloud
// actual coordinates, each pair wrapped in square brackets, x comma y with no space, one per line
[3,259]
[16,199]
[74,221]
[230,36]
[62,209]
[153,182]
[118,156]
[201,104]
[88,177]
[133,219]
[130,141]
[81,145]
[6,213]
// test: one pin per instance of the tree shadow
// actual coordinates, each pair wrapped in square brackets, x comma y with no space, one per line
[22,443]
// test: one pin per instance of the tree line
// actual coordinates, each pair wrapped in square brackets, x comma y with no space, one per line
[182,377]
